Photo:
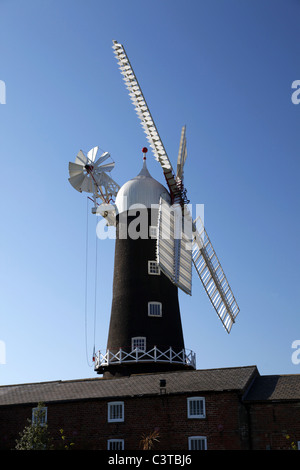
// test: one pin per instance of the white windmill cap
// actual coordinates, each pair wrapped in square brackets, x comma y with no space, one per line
[143,191]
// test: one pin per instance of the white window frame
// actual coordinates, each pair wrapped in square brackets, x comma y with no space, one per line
[155,304]
[138,339]
[43,411]
[115,444]
[153,268]
[202,440]
[115,416]
[192,413]
[153,231]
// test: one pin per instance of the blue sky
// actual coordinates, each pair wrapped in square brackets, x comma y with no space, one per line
[222,68]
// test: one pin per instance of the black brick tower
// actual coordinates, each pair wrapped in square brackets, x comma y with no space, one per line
[145,332]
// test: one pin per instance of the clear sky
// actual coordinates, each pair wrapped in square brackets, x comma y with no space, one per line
[223,68]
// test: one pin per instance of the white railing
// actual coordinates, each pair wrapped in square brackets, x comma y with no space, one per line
[184,357]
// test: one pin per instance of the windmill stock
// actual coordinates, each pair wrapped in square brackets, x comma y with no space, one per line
[148,273]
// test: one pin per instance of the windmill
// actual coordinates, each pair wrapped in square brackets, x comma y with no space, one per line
[145,331]
[173,257]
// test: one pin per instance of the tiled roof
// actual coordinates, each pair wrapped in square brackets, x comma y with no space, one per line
[275,387]
[212,380]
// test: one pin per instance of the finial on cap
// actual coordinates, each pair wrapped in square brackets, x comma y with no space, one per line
[144,150]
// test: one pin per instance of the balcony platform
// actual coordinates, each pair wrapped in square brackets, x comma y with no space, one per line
[112,358]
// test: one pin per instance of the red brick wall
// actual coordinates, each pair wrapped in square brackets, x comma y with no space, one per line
[272,422]
[12,421]
[85,422]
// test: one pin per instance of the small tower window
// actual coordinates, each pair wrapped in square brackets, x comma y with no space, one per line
[154,309]
[153,268]
[139,342]
[153,231]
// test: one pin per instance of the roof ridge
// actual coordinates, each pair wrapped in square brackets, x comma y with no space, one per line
[280,375]
[51,382]
[95,379]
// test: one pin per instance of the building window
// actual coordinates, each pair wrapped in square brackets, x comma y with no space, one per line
[153,231]
[154,309]
[197,443]
[153,268]
[115,444]
[196,407]
[139,342]
[115,411]
[39,415]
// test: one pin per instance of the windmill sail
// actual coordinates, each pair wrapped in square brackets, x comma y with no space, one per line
[174,254]
[143,112]
[182,154]
[212,276]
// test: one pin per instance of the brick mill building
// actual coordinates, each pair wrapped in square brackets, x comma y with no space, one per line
[217,409]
